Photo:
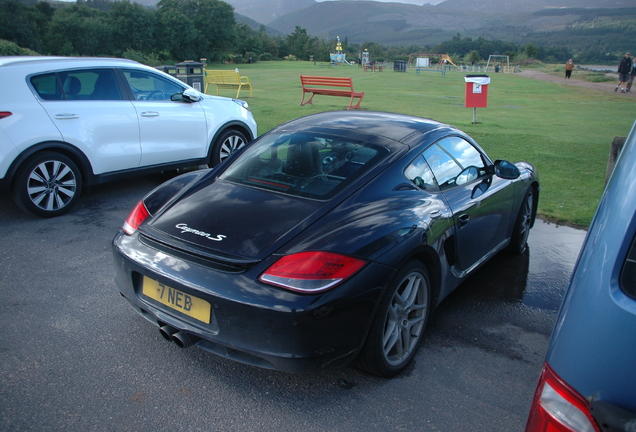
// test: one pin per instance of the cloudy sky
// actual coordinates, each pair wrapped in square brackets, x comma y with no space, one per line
[415,2]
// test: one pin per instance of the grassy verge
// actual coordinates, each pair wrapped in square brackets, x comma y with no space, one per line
[565,132]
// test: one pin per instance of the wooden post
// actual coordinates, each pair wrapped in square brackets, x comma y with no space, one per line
[615,150]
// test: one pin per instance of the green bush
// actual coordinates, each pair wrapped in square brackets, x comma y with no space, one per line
[11,49]
[234,58]
[151,59]
[250,55]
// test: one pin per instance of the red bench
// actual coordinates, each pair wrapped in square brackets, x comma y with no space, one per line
[329,86]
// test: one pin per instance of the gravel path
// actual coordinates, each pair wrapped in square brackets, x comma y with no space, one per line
[602,86]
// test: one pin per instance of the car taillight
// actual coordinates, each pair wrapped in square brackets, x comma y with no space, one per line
[4,114]
[558,407]
[311,272]
[135,218]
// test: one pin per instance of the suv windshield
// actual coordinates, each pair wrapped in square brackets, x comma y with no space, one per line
[303,164]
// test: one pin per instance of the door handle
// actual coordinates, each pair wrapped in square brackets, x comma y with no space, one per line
[66,116]
[149,114]
[463,219]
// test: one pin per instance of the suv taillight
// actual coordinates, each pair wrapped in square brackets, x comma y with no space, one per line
[558,407]
[4,114]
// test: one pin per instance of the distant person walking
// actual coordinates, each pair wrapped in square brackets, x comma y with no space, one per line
[568,69]
[624,70]
[631,78]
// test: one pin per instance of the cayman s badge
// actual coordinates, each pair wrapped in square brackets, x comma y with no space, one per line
[186,229]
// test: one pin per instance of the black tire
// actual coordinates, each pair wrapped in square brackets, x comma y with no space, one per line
[47,185]
[399,325]
[521,231]
[225,145]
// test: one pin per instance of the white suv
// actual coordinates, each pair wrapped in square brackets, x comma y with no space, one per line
[70,122]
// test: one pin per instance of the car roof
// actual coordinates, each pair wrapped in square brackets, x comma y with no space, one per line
[397,127]
[6,61]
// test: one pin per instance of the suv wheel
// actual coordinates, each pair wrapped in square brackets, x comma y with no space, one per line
[48,184]
[226,144]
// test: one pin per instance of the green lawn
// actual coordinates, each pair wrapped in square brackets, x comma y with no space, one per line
[565,132]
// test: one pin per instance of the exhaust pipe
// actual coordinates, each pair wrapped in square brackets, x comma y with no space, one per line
[167,332]
[183,340]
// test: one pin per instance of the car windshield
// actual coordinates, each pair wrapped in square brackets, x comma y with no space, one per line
[310,165]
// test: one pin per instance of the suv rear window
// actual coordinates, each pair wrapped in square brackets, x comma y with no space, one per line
[303,164]
[84,84]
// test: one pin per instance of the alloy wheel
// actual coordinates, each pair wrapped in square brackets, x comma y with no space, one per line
[405,319]
[51,185]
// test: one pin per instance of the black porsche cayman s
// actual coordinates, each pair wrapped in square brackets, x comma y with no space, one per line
[330,239]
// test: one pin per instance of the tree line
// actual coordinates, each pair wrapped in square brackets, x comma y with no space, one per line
[178,30]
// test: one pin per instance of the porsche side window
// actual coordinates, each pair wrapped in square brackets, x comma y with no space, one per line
[443,165]
[449,159]
[468,175]
[149,86]
[420,174]
[462,152]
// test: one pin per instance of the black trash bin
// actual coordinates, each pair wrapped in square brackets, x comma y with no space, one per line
[169,69]
[191,73]
[399,66]
[497,69]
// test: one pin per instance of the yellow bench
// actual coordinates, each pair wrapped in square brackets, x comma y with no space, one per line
[226,79]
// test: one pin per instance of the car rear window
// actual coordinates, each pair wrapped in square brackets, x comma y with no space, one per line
[83,84]
[47,86]
[303,164]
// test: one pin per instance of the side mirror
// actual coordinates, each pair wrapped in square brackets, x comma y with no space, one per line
[192,95]
[506,170]
[189,95]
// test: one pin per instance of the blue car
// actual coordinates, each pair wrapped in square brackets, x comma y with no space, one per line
[331,238]
[588,382]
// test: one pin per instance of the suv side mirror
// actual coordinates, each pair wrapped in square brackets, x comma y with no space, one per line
[191,95]
[188,95]
[506,170]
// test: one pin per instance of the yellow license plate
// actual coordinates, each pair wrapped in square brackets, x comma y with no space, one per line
[185,303]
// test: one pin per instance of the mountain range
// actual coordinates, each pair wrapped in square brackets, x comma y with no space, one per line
[269,11]
[407,24]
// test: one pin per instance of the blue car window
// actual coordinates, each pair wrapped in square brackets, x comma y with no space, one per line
[303,164]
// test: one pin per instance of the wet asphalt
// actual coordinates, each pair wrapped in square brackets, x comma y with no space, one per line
[75,357]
